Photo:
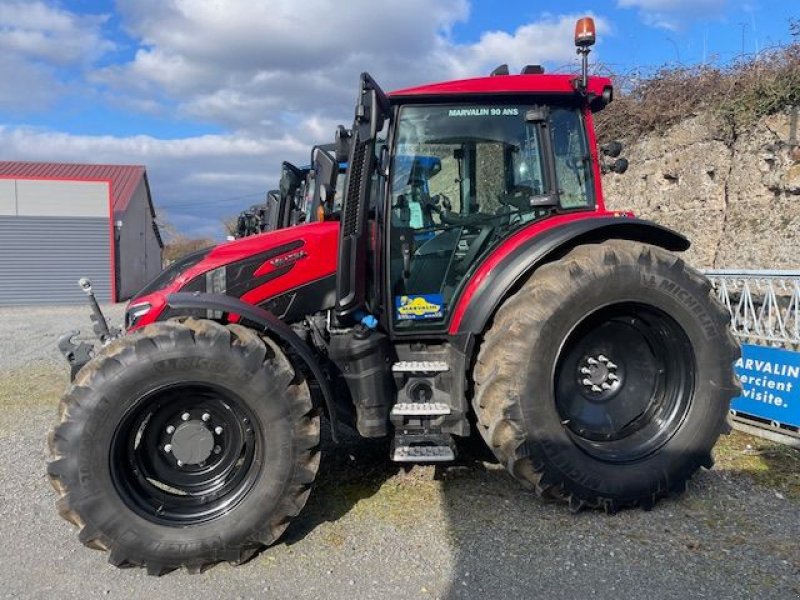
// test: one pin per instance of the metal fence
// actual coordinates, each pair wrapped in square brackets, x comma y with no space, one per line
[765,311]
[764,305]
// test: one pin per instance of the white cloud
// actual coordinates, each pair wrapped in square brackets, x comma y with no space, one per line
[674,14]
[50,34]
[548,40]
[247,64]
[38,43]
[276,76]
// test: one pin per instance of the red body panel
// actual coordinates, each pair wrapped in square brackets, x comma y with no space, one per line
[507,247]
[503,84]
[316,259]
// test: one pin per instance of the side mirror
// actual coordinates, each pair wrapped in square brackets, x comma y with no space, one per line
[612,149]
[620,165]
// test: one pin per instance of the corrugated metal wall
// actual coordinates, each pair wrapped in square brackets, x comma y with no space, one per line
[42,258]
[138,250]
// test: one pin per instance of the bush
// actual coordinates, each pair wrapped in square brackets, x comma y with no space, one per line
[738,94]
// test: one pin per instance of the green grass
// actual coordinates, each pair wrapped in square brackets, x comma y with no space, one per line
[27,387]
[766,463]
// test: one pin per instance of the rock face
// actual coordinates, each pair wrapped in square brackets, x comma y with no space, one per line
[737,198]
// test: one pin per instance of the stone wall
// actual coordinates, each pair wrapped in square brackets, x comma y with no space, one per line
[737,198]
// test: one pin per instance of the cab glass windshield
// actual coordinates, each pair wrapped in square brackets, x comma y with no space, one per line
[464,177]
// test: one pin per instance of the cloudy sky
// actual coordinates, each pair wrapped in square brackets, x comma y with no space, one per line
[211,95]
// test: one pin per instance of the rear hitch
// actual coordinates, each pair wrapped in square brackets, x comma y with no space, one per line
[79,354]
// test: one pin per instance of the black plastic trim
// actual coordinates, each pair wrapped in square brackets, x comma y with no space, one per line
[307,299]
[538,249]
[268,323]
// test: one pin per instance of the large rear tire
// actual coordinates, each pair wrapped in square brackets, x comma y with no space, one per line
[606,379]
[184,444]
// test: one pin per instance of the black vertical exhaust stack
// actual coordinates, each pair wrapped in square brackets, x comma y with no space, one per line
[372,109]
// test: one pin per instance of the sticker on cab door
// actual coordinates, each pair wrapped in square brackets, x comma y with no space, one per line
[418,307]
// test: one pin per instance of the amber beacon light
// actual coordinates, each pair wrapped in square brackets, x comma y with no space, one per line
[585,33]
[584,39]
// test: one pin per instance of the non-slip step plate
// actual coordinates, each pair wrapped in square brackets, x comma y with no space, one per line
[423,454]
[420,366]
[420,409]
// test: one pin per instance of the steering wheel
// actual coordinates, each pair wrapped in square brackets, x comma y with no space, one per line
[453,218]
[518,197]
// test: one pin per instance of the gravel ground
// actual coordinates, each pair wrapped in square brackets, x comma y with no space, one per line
[374,530]
[29,335]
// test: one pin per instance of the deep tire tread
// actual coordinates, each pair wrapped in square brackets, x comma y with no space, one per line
[500,357]
[259,353]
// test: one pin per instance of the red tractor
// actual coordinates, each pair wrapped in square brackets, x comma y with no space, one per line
[473,279]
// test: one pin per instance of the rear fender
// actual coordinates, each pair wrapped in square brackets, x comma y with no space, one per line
[479,302]
[267,323]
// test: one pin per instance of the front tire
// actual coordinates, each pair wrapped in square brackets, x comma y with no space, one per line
[606,379]
[184,444]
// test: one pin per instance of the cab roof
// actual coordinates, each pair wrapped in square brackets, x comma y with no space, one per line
[502,84]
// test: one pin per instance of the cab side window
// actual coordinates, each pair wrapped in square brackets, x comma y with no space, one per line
[572,159]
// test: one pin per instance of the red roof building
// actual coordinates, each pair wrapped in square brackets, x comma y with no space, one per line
[62,221]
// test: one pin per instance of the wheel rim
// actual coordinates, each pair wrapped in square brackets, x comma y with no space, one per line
[186,454]
[624,381]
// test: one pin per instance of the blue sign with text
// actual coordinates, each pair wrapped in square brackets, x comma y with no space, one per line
[770,379]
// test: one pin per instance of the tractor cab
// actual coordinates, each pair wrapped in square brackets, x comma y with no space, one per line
[307,194]
[326,178]
[462,171]
[272,211]
[324,183]
[289,209]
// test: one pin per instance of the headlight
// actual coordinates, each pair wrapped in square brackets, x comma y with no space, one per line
[134,313]
[215,281]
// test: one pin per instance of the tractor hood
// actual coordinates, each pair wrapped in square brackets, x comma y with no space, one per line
[267,270]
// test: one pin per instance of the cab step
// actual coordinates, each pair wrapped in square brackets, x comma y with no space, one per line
[418,447]
[423,454]
[420,409]
[420,366]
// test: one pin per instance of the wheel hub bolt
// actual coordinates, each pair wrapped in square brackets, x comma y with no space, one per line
[206,416]
[180,463]
[168,448]
[218,430]
[598,373]
[170,429]
[217,449]
[185,416]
